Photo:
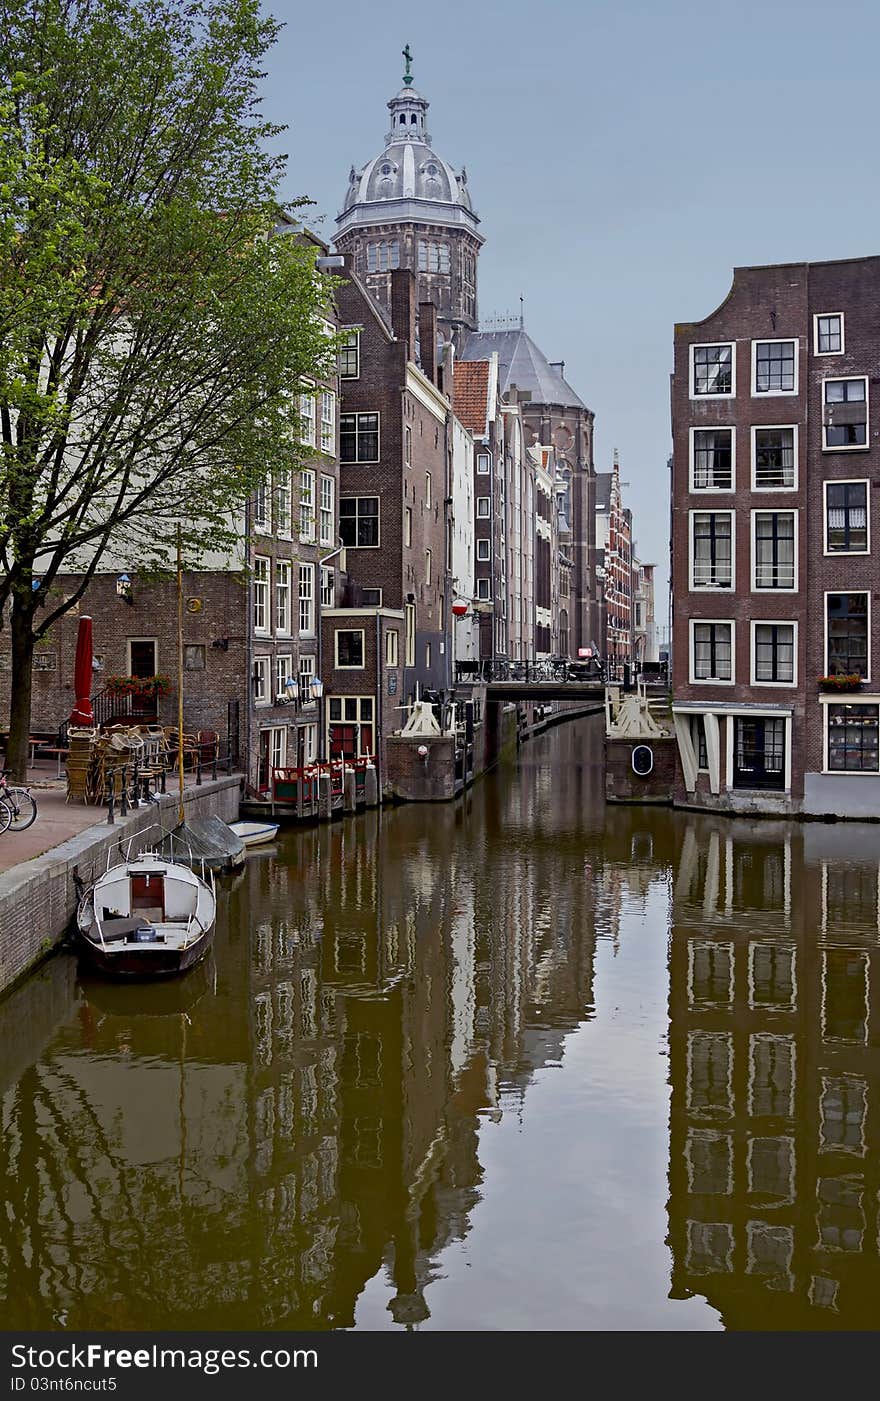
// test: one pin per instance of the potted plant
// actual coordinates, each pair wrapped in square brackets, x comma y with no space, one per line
[840,682]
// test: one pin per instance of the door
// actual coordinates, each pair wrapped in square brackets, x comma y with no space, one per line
[759,752]
[143,661]
[148,896]
[343,741]
[265,759]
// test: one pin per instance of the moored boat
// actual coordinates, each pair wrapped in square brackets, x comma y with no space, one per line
[254,833]
[147,917]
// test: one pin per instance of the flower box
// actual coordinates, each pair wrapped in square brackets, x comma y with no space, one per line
[143,687]
[840,683]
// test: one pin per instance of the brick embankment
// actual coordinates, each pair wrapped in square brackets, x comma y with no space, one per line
[38,896]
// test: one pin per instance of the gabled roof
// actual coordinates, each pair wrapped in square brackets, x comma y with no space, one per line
[471,394]
[521,363]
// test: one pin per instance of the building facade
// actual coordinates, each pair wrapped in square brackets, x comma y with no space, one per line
[615,563]
[775,465]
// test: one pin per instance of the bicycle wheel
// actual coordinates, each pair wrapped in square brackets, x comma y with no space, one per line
[5,816]
[23,807]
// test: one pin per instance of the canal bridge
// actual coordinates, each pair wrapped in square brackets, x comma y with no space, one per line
[535,682]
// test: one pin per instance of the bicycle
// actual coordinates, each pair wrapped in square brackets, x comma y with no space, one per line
[5,816]
[21,803]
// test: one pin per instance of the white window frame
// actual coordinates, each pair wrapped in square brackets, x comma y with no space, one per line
[409,638]
[851,447]
[328,422]
[771,427]
[365,496]
[263,507]
[484,464]
[262,674]
[865,679]
[776,393]
[277,747]
[327,510]
[702,491]
[816,318]
[845,698]
[407,526]
[484,588]
[347,666]
[775,623]
[352,333]
[306,614]
[259,583]
[481,514]
[283,670]
[307,414]
[769,511]
[357,415]
[706,345]
[306,671]
[484,550]
[283,590]
[712,588]
[392,647]
[695,680]
[283,502]
[429,568]
[307,487]
[328,586]
[845,554]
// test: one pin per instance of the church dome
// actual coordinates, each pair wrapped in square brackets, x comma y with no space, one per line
[408,170]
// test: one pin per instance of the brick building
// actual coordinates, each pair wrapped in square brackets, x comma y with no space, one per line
[775,465]
[614,560]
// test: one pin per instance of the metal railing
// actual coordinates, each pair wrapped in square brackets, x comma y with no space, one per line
[556,669]
[141,782]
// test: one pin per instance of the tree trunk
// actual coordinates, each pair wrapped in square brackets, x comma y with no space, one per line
[22,638]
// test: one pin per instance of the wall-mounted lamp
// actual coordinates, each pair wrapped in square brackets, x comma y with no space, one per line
[316,686]
[123,588]
[221,643]
[291,686]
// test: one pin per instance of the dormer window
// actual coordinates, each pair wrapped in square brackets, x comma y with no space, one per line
[386,169]
[432,170]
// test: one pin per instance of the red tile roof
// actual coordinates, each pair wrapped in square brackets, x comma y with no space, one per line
[471,393]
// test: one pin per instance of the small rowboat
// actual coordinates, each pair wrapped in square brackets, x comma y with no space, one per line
[147,918]
[254,833]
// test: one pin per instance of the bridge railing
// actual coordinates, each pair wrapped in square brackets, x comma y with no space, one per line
[547,669]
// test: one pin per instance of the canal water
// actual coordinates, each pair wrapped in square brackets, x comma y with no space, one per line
[526,1062]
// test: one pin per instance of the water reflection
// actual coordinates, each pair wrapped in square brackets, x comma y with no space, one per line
[315,1119]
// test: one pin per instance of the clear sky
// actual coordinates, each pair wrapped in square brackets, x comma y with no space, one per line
[624,156]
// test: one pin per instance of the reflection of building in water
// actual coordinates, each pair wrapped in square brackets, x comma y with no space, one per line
[254,1159]
[773,1059]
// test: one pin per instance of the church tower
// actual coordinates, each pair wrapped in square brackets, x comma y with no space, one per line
[409,208]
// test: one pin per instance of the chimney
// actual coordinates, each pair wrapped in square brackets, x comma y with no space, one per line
[428,340]
[558,365]
[403,309]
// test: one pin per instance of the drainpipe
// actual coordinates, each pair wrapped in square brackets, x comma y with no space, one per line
[319,609]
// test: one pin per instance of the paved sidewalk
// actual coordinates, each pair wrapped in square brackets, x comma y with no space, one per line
[57,820]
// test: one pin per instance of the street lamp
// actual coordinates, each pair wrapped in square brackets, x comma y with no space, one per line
[316,686]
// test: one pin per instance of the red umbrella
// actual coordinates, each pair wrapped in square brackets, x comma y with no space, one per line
[82,675]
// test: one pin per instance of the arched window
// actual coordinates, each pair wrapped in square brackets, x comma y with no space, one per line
[403,119]
[413,119]
[372,257]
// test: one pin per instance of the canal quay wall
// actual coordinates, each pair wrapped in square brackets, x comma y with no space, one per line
[38,898]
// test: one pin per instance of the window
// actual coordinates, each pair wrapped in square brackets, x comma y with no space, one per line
[845,413]
[775,556]
[310,743]
[350,648]
[306,672]
[484,588]
[775,367]
[712,371]
[709,1073]
[774,458]
[712,651]
[828,333]
[433,257]
[772,977]
[359,437]
[307,506]
[773,653]
[698,740]
[371,598]
[482,508]
[407,525]
[758,752]
[428,564]
[261,680]
[350,356]
[407,445]
[391,640]
[846,518]
[328,493]
[711,549]
[429,500]
[712,459]
[327,587]
[409,623]
[282,503]
[307,599]
[853,738]
[307,419]
[194,657]
[847,634]
[262,509]
[484,463]
[283,672]
[282,596]
[843,1109]
[328,421]
[261,594]
[359,522]
[771,1074]
[484,549]
[383,256]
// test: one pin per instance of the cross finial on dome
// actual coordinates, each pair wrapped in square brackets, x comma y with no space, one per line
[407,77]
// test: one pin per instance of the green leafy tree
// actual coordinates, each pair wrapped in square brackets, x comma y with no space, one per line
[154,322]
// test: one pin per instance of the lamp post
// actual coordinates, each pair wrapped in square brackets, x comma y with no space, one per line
[316,686]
